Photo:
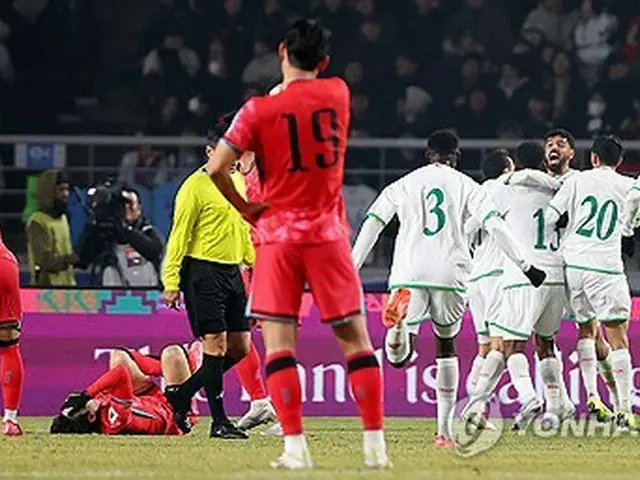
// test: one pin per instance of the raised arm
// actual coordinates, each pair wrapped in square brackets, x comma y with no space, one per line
[380,213]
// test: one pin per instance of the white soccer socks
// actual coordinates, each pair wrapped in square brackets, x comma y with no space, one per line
[520,373]
[474,375]
[621,369]
[605,368]
[447,373]
[396,343]
[588,366]
[296,454]
[490,374]
[375,449]
[551,376]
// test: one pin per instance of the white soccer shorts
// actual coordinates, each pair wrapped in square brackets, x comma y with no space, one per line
[444,307]
[601,296]
[485,302]
[527,310]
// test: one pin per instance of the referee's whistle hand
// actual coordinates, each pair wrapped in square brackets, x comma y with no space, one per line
[171,299]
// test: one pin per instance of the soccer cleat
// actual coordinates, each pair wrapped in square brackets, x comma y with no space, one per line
[535,276]
[181,412]
[377,459]
[478,421]
[260,412]
[274,430]
[442,442]
[227,431]
[291,462]
[396,309]
[598,408]
[568,411]
[627,421]
[11,428]
[527,413]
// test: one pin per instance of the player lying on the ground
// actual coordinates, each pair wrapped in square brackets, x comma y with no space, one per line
[12,369]
[125,400]
[432,204]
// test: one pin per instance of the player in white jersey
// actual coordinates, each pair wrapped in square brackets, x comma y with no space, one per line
[432,261]
[485,282]
[598,288]
[526,310]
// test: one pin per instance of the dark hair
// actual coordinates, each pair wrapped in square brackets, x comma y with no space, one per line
[443,147]
[608,148]
[307,44]
[221,126]
[530,155]
[78,424]
[494,164]
[561,132]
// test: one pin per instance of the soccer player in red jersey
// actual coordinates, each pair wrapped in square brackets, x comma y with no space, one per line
[125,400]
[299,138]
[12,368]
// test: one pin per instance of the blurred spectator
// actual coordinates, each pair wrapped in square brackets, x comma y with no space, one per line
[631,45]
[593,38]
[7,71]
[510,129]
[363,124]
[475,119]
[168,122]
[144,166]
[565,90]
[618,86]
[630,127]
[478,27]
[264,68]
[173,58]
[201,116]
[51,257]
[365,9]
[555,21]
[412,113]
[354,74]
[537,122]
[372,47]
[598,118]
[515,88]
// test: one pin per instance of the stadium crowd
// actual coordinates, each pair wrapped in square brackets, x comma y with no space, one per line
[489,68]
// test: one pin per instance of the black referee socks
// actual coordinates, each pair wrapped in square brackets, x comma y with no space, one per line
[212,372]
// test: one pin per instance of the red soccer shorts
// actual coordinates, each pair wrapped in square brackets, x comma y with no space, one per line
[280,274]
[10,305]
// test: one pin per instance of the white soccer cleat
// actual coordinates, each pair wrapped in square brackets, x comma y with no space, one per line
[527,413]
[274,430]
[260,412]
[377,459]
[288,461]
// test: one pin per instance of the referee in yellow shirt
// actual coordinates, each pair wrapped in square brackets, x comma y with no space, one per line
[209,242]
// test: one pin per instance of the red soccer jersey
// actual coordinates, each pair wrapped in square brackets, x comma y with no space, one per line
[145,415]
[123,413]
[299,137]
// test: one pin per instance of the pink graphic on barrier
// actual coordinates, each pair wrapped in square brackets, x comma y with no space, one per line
[66,351]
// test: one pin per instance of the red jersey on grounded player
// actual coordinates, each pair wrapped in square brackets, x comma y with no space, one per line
[301,178]
[124,413]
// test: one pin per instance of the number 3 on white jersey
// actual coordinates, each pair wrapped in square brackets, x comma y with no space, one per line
[434,216]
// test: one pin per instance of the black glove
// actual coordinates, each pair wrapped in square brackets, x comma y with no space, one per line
[535,276]
[563,221]
[76,400]
[628,246]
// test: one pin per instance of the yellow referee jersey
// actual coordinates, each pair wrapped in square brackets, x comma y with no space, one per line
[205,227]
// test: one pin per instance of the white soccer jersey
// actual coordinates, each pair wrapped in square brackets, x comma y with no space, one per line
[522,204]
[594,201]
[488,258]
[432,204]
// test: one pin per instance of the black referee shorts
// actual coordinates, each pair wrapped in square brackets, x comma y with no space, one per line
[214,297]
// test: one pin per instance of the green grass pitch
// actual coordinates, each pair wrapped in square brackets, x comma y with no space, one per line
[335,446]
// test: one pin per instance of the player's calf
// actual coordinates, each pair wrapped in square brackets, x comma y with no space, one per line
[621,363]
[11,375]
